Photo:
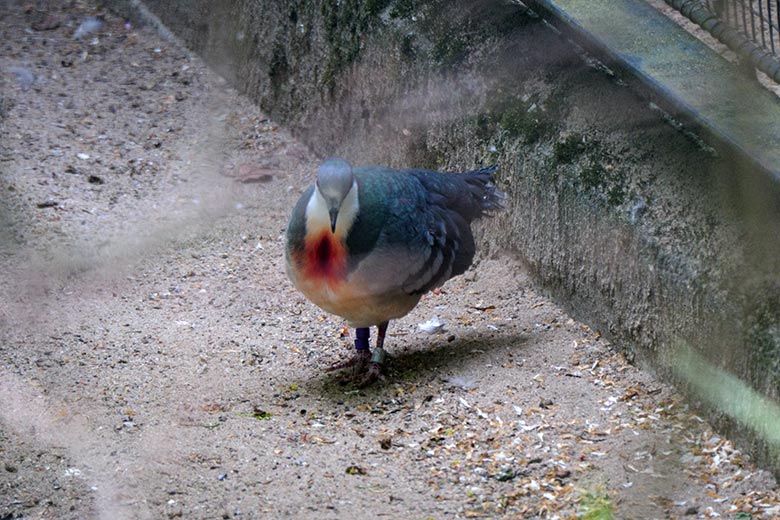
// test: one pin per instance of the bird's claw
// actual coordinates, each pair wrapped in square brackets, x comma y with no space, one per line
[373,374]
[374,371]
[366,368]
[358,362]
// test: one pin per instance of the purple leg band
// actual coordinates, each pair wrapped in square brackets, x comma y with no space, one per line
[361,338]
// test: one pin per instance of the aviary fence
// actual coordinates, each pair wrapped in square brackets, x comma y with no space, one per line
[751,28]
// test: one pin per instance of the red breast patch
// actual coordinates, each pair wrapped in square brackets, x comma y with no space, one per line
[324,258]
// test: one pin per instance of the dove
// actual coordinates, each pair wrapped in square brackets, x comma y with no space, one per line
[365,243]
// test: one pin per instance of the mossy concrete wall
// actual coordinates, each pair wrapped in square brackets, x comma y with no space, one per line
[660,238]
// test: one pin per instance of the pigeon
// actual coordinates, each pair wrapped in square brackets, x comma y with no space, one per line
[365,243]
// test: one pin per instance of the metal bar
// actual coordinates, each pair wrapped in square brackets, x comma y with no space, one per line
[771,26]
[753,21]
[775,26]
[777,13]
[737,40]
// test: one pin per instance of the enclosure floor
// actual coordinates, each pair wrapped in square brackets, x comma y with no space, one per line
[155,362]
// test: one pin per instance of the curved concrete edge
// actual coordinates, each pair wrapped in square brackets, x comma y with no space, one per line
[662,239]
[688,77]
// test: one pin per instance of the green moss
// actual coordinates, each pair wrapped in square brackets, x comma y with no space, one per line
[597,177]
[278,68]
[523,119]
[596,505]
[375,7]
[407,47]
[403,9]
[344,21]
[569,148]
[593,176]
[483,125]
[450,50]
[763,334]
[616,195]
[455,30]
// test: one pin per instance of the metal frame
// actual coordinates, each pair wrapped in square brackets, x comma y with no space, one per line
[751,28]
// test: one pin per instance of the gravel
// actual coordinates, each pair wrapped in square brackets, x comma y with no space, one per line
[155,362]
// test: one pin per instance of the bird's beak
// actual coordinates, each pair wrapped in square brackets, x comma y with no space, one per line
[334,214]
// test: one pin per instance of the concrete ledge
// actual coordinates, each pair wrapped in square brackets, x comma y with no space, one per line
[687,76]
[663,237]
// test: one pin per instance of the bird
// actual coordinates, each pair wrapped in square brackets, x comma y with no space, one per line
[365,243]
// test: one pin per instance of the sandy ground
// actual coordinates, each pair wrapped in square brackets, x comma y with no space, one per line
[155,362]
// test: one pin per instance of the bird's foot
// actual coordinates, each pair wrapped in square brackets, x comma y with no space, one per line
[358,363]
[365,367]
[371,376]
[374,371]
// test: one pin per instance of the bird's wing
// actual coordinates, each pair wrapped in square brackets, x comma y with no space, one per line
[296,229]
[409,236]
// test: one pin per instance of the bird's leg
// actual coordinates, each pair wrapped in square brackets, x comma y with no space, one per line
[374,371]
[362,352]
[380,340]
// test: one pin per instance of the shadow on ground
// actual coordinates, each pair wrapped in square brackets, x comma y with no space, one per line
[420,366]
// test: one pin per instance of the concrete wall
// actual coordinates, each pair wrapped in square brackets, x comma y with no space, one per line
[662,240]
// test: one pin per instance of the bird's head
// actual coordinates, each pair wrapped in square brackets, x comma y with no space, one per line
[337,189]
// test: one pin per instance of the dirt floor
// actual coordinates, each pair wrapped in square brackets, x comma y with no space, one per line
[155,362]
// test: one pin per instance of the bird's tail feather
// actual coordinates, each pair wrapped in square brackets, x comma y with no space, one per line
[492,198]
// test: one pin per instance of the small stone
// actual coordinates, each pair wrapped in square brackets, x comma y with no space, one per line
[48,23]
[506,474]
[386,443]
[248,173]
[693,510]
